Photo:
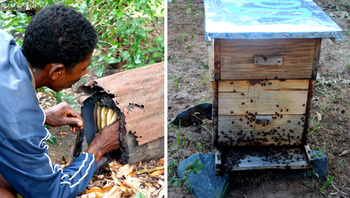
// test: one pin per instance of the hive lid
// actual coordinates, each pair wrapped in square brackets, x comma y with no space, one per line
[267,19]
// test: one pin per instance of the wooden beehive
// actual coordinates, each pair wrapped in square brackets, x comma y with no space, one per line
[263,78]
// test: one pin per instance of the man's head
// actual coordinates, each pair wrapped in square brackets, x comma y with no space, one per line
[60,39]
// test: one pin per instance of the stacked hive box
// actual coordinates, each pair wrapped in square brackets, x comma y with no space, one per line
[264,57]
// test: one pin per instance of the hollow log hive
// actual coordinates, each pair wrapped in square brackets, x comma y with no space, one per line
[135,98]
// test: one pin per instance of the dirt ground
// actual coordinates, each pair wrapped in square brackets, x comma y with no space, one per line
[189,83]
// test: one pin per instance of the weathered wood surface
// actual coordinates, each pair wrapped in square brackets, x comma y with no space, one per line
[215,111]
[286,158]
[317,54]
[270,97]
[138,97]
[243,130]
[217,59]
[237,58]
[211,53]
[308,108]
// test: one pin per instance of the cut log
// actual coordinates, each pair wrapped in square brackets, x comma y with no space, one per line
[137,96]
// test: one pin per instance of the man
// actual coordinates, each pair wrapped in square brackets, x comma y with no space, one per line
[56,52]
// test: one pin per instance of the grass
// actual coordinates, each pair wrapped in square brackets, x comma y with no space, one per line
[318,125]
[183,36]
[199,146]
[329,180]
[177,80]
[178,136]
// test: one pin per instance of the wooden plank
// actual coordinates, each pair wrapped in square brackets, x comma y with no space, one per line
[215,111]
[315,65]
[237,58]
[210,45]
[269,158]
[308,108]
[217,59]
[243,130]
[264,97]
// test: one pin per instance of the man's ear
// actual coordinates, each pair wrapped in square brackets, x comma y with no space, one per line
[55,70]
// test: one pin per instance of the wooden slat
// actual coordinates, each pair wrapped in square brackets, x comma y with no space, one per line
[298,58]
[285,158]
[263,97]
[215,111]
[308,108]
[243,130]
[217,59]
[211,59]
[316,57]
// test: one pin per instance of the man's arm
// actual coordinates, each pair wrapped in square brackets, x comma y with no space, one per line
[33,174]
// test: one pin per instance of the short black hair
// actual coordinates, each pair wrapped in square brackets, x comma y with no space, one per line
[58,34]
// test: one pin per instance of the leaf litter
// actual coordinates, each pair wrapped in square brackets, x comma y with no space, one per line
[141,180]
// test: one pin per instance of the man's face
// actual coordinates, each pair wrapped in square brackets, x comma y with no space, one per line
[68,78]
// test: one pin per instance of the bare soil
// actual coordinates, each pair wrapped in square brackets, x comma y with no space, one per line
[188,83]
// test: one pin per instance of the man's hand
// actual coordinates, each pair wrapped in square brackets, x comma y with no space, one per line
[64,114]
[105,141]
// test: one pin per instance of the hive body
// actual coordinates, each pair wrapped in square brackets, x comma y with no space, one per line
[263,58]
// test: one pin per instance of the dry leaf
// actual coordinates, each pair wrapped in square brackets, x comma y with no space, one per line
[107,189]
[90,195]
[124,170]
[127,193]
[124,181]
[132,173]
[148,170]
[115,192]
[160,162]
[319,116]
[157,172]
[93,190]
[132,183]
[343,153]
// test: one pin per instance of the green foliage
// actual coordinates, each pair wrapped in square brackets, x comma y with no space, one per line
[177,80]
[315,128]
[127,29]
[139,195]
[192,167]
[52,140]
[172,167]
[14,22]
[59,96]
[329,180]
[199,146]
